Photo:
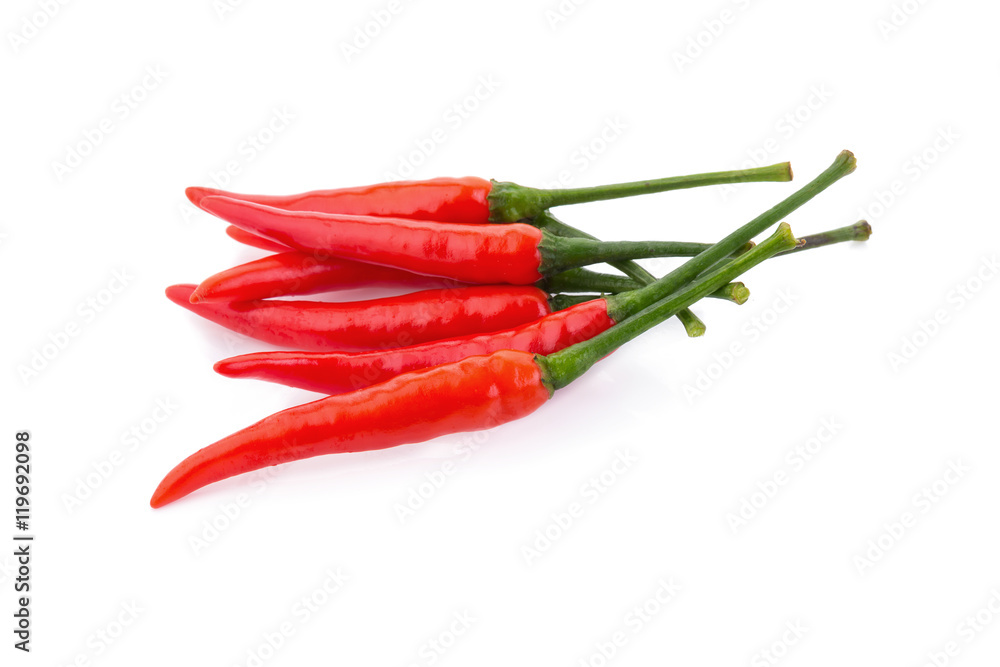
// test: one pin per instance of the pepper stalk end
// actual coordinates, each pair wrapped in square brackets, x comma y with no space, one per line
[510,202]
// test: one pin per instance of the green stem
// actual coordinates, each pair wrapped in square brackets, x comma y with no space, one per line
[715,267]
[510,202]
[622,305]
[693,326]
[561,368]
[560,253]
[585,280]
[859,231]
[735,292]
[546,221]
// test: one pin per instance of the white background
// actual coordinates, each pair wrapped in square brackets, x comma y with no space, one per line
[915,100]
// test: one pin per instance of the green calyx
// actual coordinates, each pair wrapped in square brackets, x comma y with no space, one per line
[561,368]
[510,202]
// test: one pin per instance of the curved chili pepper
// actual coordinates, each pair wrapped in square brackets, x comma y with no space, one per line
[476,200]
[461,200]
[545,220]
[339,372]
[298,273]
[515,253]
[472,394]
[376,323]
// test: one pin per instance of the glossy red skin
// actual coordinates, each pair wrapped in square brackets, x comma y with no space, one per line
[499,253]
[296,272]
[461,200]
[386,323]
[338,372]
[473,394]
[254,241]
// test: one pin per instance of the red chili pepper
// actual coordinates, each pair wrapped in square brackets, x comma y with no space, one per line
[476,200]
[472,394]
[339,372]
[297,273]
[515,253]
[692,324]
[376,323]
[262,279]
[443,199]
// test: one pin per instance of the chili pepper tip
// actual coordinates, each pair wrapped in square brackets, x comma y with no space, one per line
[232,367]
[245,365]
[196,194]
[180,294]
[164,495]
